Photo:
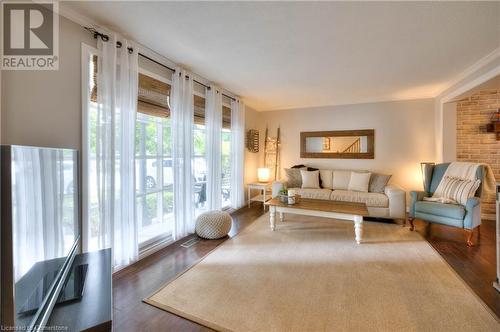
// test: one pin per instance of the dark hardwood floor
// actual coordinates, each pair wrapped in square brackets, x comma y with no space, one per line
[136,282]
[475,265]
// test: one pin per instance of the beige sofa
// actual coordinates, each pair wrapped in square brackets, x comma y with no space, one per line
[391,203]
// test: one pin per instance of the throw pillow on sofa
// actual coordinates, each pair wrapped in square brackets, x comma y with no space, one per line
[326,178]
[359,181]
[341,180]
[310,179]
[293,177]
[378,182]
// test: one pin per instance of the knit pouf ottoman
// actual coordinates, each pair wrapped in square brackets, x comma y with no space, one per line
[213,224]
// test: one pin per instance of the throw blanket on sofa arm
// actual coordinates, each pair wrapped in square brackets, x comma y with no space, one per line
[464,171]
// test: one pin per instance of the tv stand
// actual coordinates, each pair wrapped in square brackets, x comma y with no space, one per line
[93,311]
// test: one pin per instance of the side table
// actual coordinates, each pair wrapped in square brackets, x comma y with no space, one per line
[264,193]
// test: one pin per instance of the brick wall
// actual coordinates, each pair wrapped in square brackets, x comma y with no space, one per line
[474,143]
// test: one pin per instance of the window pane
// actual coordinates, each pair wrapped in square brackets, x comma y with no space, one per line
[199,158]
[168,175]
[167,137]
[226,167]
[147,210]
[168,204]
[153,139]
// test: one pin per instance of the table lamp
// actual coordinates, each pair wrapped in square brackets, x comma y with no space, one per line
[263,174]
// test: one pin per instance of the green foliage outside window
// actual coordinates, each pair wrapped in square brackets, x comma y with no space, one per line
[168,201]
[199,140]
[151,206]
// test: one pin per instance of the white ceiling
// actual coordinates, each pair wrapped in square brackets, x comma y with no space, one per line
[280,55]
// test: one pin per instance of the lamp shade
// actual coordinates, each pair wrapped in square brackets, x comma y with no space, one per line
[263,174]
[426,168]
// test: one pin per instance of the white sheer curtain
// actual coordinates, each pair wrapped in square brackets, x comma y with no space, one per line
[237,153]
[117,80]
[213,117]
[182,113]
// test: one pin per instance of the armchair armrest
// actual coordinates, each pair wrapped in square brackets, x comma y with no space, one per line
[472,213]
[416,196]
[397,201]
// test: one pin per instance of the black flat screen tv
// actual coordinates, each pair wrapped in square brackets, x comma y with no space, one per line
[39,231]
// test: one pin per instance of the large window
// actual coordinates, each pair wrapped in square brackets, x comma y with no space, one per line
[154,196]
[153,155]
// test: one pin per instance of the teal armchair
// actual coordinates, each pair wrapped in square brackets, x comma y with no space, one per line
[467,217]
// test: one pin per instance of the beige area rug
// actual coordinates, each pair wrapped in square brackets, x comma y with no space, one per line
[310,275]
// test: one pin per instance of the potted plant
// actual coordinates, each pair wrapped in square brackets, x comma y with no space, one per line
[283,193]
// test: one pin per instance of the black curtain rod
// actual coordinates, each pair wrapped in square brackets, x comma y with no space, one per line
[167,67]
[158,63]
[130,50]
[105,38]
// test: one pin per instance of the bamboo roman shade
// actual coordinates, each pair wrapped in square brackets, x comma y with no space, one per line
[199,113]
[93,90]
[226,117]
[154,98]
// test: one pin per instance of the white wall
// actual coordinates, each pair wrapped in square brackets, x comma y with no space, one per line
[404,136]
[43,108]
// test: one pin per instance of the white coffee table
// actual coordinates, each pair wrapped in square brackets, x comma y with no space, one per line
[321,208]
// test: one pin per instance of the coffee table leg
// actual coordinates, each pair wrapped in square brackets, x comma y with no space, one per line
[282,217]
[358,228]
[272,215]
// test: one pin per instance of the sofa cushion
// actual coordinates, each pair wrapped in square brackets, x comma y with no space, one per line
[293,177]
[378,182]
[359,181]
[341,179]
[370,199]
[310,179]
[313,193]
[326,177]
[439,209]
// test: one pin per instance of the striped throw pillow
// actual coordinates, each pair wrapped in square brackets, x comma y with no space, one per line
[456,189]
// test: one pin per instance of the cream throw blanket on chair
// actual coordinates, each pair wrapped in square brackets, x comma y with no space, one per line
[464,171]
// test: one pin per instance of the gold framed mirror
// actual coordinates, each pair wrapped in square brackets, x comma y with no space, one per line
[338,144]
